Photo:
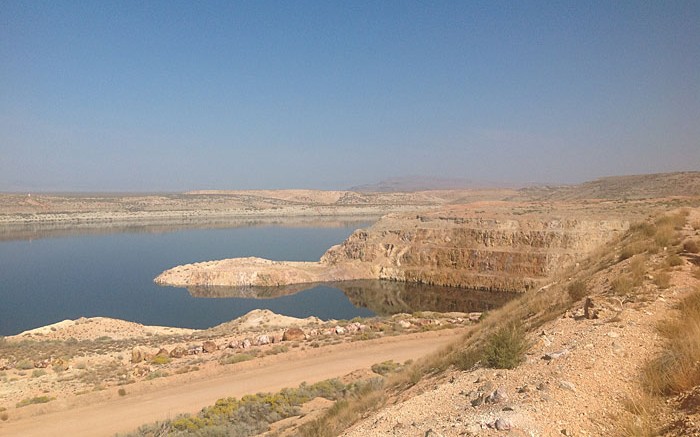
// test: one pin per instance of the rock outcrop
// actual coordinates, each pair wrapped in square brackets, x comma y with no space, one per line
[457,247]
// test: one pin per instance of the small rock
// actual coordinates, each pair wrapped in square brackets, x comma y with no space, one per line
[524,389]
[613,334]
[404,324]
[478,400]
[554,355]
[542,386]
[497,396]
[431,433]
[163,353]
[339,330]
[245,344]
[487,386]
[566,385]
[502,425]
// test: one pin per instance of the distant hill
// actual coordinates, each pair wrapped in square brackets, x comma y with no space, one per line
[417,183]
[623,187]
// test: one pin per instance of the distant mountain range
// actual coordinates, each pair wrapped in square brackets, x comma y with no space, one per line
[421,183]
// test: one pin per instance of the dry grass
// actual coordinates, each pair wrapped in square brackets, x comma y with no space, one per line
[639,419]
[678,367]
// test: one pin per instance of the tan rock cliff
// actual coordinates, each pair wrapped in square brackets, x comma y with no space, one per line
[457,246]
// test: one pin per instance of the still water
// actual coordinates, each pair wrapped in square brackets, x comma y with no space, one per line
[43,281]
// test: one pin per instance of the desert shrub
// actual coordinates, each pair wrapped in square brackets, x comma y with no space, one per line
[662,280]
[621,285]
[160,360]
[157,374]
[676,369]
[251,414]
[235,358]
[691,246]
[386,367]
[577,290]
[121,392]
[34,400]
[38,372]
[4,416]
[637,270]
[506,347]
[674,260]
[24,365]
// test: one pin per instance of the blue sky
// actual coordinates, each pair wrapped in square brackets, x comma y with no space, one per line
[170,96]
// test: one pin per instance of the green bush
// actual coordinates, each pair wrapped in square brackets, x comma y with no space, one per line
[160,360]
[386,367]
[505,348]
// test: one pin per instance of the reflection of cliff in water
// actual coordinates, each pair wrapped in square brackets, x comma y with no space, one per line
[380,297]
[389,297]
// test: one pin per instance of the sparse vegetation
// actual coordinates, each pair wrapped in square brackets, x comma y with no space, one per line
[121,392]
[676,369]
[506,347]
[34,400]
[235,358]
[252,414]
[577,290]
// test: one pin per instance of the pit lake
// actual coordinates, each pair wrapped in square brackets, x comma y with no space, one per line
[110,274]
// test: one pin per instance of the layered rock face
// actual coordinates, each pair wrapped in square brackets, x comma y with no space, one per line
[456,247]
[508,254]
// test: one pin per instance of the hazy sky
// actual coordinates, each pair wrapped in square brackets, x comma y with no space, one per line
[146,95]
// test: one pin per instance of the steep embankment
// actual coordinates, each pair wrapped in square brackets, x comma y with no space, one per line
[457,246]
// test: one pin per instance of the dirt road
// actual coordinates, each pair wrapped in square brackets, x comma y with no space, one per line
[267,374]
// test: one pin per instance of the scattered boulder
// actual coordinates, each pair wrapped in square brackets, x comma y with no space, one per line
[293,334]
[339,330]
[209,347]
[404,324]
[194,350]
[140,353]
[246,343]
[42,364]
[262,340]
[178,352]
[163,353]
[497,396]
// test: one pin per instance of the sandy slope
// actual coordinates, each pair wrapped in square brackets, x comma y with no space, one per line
[153,401]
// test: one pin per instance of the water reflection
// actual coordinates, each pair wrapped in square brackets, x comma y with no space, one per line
[380,297]
[36,231]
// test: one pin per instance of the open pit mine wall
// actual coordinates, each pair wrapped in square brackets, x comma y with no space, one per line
[488,254]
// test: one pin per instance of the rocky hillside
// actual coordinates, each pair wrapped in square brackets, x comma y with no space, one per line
[645,186]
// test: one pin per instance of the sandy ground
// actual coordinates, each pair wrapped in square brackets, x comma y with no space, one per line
[148,401]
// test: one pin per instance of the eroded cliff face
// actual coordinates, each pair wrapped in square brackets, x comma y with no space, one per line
[507,254]
[457,247]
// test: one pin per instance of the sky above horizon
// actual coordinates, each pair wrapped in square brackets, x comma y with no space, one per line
[175,95]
